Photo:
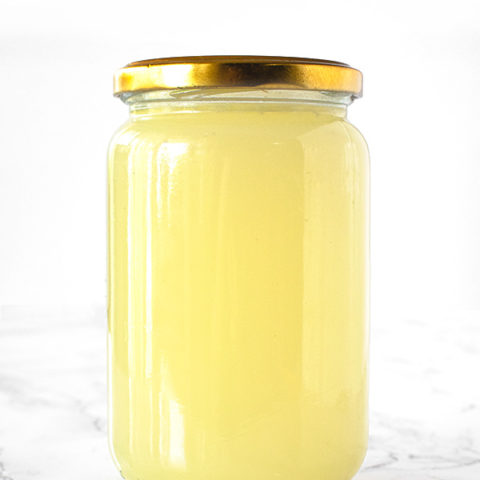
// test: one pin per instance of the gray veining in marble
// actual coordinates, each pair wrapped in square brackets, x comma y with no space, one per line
[425,397]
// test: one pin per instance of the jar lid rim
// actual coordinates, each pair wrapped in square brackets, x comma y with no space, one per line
[238,71]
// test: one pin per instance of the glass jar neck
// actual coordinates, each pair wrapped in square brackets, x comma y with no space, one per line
[200,99]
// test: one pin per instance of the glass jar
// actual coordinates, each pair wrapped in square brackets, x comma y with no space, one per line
[238,271]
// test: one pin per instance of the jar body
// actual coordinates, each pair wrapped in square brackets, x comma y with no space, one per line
[238,279]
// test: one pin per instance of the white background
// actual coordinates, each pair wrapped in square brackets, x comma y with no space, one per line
[419,114]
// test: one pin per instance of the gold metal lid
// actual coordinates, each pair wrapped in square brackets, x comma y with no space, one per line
[238,71]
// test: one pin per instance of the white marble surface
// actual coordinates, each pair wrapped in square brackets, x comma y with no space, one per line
[425,397]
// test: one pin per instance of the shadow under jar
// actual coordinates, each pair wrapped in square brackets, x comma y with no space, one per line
[238,271]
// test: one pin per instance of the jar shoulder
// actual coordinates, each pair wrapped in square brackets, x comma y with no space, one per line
[304,131]
[357,136]
[357,145]
[123,135]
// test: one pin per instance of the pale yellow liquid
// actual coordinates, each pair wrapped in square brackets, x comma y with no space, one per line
[238,293]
